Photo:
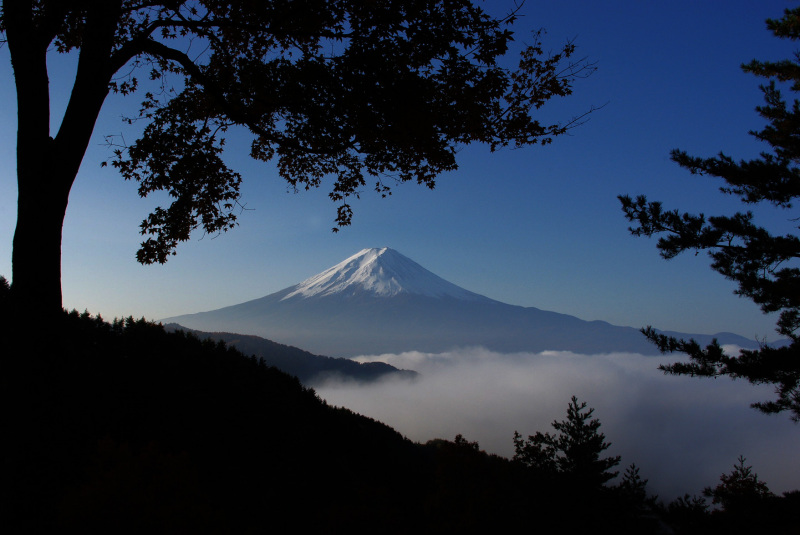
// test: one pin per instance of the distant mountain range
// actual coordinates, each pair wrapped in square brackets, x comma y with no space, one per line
[379,301]
[312,370]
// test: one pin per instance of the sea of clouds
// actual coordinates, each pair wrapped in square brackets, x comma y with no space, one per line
[682,432]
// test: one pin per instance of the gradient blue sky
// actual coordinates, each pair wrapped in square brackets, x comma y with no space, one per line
[536,227]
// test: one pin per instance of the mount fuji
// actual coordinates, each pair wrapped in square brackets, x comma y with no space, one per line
[379,301]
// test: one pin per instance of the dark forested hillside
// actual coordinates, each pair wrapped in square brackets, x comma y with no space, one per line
[127,428]
[130,427]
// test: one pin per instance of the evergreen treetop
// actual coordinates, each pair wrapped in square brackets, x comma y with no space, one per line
[738,489]
[575,451]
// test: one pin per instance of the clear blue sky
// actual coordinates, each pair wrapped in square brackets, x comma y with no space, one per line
[536,227]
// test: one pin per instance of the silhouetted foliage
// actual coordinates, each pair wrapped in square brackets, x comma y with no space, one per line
[688,514]
[744,504]
[571,477]
[637,510]
[475,492]
[739,489]
[633,486]
[741,504]
[633,490]
[764,265]
[573,452]
[364,94]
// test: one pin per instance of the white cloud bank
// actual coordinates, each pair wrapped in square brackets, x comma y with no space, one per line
[682,432]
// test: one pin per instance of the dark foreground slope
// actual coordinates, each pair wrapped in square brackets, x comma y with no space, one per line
[126,428]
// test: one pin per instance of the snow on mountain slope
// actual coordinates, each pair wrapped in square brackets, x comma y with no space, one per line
[382,272]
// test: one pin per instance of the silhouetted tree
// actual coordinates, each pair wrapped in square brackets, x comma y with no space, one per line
[636,511]
[369,93]
[688,514]
[573,452]
[764,265]
[739,489]
[633,487]
[539,452]
[746,505]
[475,492]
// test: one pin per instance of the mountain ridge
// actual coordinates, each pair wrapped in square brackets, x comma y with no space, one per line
[382,272]
[312,370]
[379,301]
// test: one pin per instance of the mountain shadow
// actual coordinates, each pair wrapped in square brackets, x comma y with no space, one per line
[312,370]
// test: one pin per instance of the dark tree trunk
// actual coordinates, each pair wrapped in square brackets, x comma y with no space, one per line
[36,279]
[36,257]
[47,166]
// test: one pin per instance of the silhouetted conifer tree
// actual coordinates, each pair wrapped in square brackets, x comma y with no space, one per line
[575,451]
[632,487]
[763,264]
[687,514]
[739,489]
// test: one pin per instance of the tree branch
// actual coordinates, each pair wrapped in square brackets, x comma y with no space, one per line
[228,108]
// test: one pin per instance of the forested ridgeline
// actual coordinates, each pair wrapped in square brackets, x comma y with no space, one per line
[128,428]
[133,429]
[312,370]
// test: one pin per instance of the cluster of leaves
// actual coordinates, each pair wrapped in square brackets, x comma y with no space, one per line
[181,154]
[375,92]
[763,265]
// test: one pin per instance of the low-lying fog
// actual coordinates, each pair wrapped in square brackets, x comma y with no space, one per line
[682,432]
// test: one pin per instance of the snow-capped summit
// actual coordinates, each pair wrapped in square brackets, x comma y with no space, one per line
[381,272]
[378,301]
